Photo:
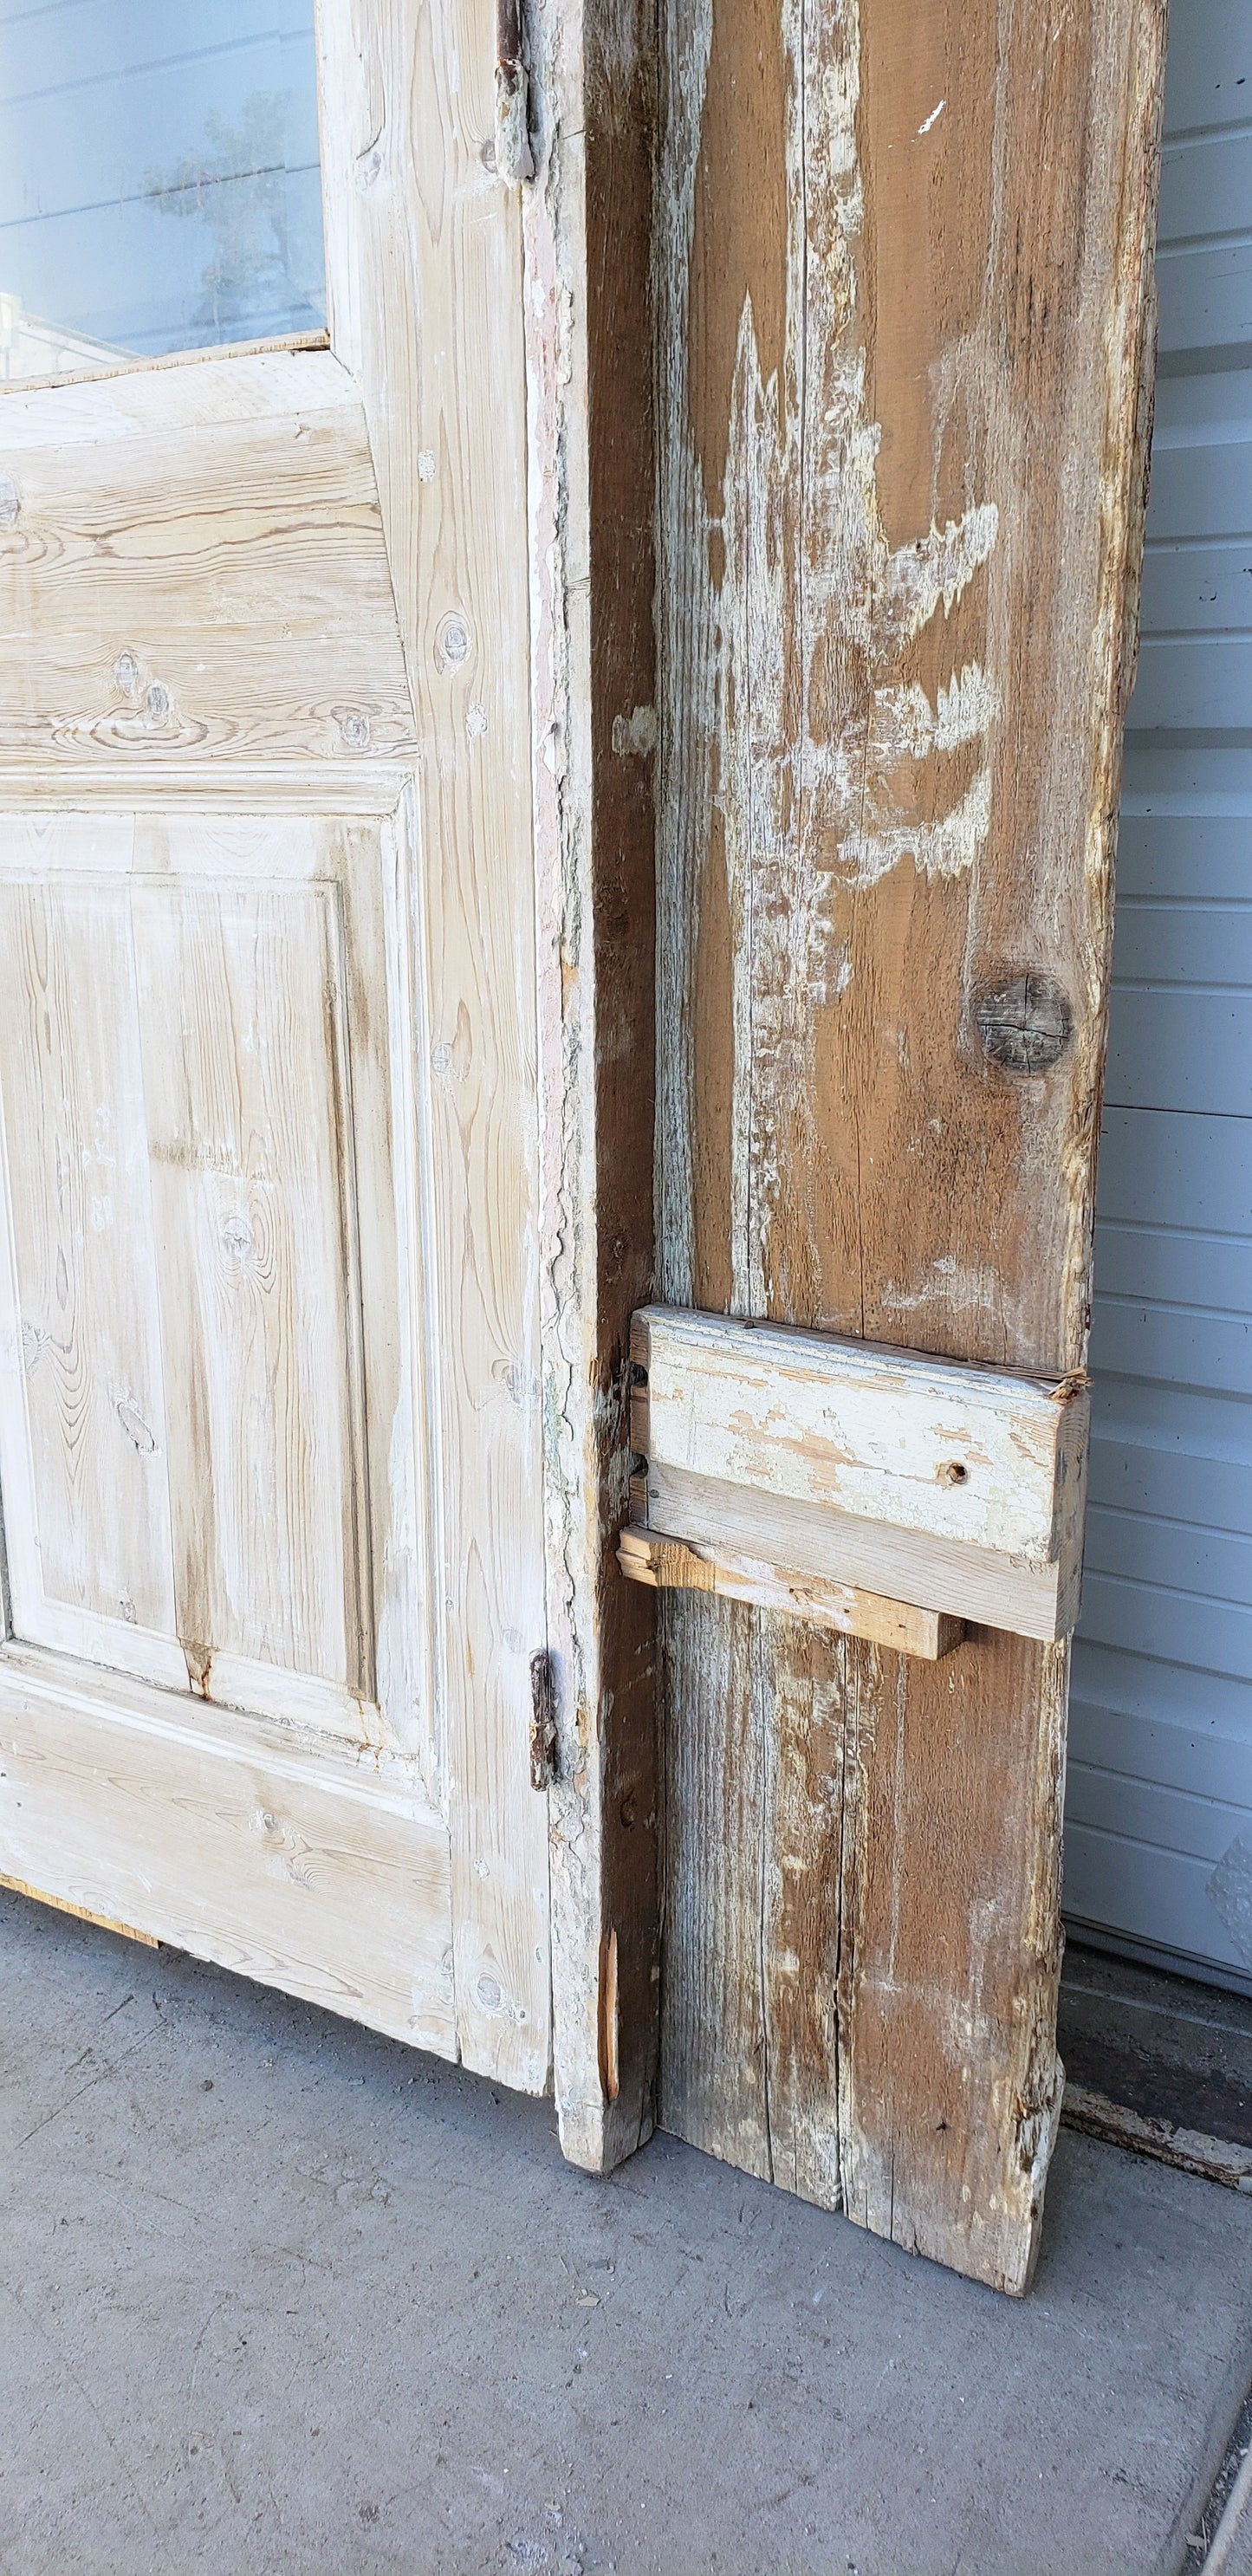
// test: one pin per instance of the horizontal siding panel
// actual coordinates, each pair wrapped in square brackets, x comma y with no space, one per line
[1150,1895]
[1206,190]
[1162,1167]
[1180,1344]
[1179,1049]
[1206,298]
[1214,1636]
[1203,941]
[1196,684]
[1171,781]
[1198,492]
[1211,1564]
[1174,1268]
[1217,1426]
[1130,1474]
[1198,859]
[1189,589]
[1132,1479]
[1209,70]
[1158,1721]
[1120,1802]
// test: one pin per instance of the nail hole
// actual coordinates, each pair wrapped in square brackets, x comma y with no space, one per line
[953,1473]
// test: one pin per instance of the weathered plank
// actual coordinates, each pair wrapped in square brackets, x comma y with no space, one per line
[587,238]
[976,1459]
[906,1565]
[903,264]
[669,1564]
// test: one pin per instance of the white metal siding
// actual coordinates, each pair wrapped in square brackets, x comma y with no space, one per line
[1160,1781]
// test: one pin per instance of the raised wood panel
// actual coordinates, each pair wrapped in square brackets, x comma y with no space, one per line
[192,565]
[903,263]
[242,1000]
[214,1409]
[294,1866]
[88,1514]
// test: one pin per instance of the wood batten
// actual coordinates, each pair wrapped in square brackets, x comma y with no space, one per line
[669,1564]
[955,1489]
[902,270]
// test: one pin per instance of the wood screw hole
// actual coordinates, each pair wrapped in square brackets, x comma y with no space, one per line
[953,1473]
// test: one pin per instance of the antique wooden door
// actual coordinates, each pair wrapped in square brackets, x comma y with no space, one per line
[269,1362]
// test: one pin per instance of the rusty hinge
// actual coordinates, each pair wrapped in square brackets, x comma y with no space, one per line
[542,1720]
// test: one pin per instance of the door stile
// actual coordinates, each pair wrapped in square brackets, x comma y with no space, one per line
[424,266]
[587,221]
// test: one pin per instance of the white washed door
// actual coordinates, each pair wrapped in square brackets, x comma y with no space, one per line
[269,1435]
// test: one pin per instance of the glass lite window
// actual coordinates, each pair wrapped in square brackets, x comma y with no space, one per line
[159,179]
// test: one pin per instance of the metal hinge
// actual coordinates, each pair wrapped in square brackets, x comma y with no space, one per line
[542,1720]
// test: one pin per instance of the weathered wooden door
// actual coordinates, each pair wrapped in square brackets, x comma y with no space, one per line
[269,1359]
[904,263]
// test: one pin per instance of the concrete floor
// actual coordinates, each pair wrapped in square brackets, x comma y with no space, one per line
[280,2296]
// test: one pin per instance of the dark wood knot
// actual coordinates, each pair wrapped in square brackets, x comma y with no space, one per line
[1024,1025]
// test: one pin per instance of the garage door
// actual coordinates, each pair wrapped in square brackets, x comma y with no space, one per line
[1159,1810]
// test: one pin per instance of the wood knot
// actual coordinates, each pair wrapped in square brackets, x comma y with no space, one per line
[1025,1025]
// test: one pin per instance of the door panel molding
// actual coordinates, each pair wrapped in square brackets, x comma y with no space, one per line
[288,1863]
[340,539]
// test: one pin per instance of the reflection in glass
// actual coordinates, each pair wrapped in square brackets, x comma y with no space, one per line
[159,180]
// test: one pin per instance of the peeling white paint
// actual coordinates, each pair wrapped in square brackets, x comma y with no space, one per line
[635,735]
[814,785]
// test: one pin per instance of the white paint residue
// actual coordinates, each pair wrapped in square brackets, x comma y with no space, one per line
[817,792]
[933,118]
[635,735]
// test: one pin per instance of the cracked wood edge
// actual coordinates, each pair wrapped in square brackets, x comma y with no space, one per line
[587,225]
[666,1564]
[936,282]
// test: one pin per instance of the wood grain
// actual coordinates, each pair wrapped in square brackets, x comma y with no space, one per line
[241,1003]
[974,1583]
[206,1034]
[974,1456]
[424,272]
[195,567]
[296,1866]
[902,271]
[266,677]
[587,234]
[669,1564]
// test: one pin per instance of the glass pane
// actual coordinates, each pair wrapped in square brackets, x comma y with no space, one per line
[159,180]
